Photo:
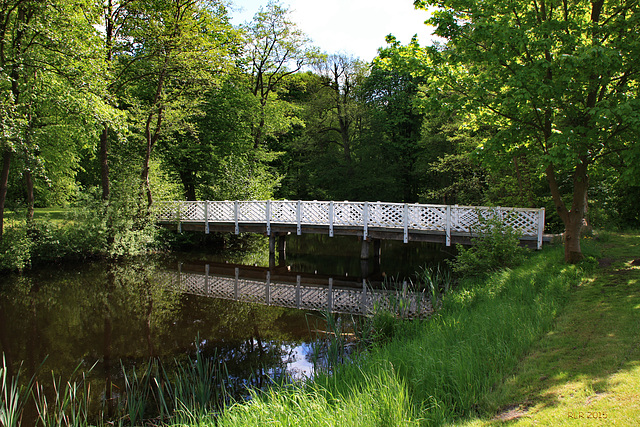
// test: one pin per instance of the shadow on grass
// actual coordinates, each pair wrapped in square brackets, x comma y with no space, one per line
[593,349]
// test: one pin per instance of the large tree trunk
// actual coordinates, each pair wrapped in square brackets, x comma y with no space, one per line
[28,179]
[104,162]
[4,184]
[572,219]
[571,237]
[146,184]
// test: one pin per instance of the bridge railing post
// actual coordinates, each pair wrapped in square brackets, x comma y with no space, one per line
[206,217]
[268,289]
[299,217]
[235,216]
[331,215]
[206,279]
[448,226]
[268,214]
[541,214]
[365,220]
[179,217]
[405,217]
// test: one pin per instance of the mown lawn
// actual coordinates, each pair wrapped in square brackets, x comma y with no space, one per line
[586,371]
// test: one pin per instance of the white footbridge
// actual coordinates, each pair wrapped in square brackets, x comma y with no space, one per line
[370,220]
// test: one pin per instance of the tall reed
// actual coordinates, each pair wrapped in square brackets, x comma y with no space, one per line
[70,405]
[13,395]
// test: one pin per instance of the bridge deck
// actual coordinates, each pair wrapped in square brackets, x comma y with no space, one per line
[416,222]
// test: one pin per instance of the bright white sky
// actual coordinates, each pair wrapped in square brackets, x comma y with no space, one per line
[354,27]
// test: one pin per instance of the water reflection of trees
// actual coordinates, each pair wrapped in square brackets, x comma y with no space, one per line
[119,313]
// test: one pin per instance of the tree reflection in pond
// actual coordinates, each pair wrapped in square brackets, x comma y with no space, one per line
[119,313]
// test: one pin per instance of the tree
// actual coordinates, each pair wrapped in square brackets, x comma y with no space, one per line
[176,50]
[43,45]
[392,93]
[276,49]
[558,79]
[340,75]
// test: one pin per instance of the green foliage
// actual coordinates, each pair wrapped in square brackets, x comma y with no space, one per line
[557,84]
[496,246]
[15,249]
[91,229]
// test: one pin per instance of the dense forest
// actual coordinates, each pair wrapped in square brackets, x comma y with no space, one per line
[118,104]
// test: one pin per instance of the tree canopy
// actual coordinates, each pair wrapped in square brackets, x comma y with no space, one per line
[526,103]
[557,79]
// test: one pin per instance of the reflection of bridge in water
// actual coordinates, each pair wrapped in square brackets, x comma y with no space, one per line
[279,287]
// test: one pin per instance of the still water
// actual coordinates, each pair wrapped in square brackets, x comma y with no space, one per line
[259,316]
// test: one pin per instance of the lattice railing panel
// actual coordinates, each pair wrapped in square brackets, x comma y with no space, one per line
[284,211]
[283,295]
[168,211]
[191,283]
[192,211]
[252,212]
[313,298]
[388,215]
[347,300]
[251,291]
[221,211]
[427,217]
[315,213]
[222,287]
[463,219]
[525,222]
[348,213]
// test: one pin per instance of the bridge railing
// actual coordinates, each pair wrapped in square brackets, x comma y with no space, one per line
[446,219]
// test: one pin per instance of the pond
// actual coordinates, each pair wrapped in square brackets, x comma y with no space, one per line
[259,316]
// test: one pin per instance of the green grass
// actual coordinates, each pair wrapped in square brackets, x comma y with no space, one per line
[54,214]
[434,371]
[587,370]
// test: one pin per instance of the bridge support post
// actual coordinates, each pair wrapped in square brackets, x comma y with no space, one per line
[377,251]
[364,252]
[272,244]
[365,268]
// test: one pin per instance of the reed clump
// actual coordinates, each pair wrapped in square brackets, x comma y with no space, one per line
[151,395]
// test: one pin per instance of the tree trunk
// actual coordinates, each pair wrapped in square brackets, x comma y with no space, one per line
[188,184]
[572,249]
[146,184]
[104,162]
[4,183]
[572,219]
[28,179]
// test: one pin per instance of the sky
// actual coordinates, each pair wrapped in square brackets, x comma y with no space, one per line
[353,27]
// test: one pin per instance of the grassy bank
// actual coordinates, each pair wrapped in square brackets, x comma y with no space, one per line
[436,371]
[587,370]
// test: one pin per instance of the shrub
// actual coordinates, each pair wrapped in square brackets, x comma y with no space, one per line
[495,246]
[15,249]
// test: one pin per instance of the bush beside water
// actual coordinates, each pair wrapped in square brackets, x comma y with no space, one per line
[90,230]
